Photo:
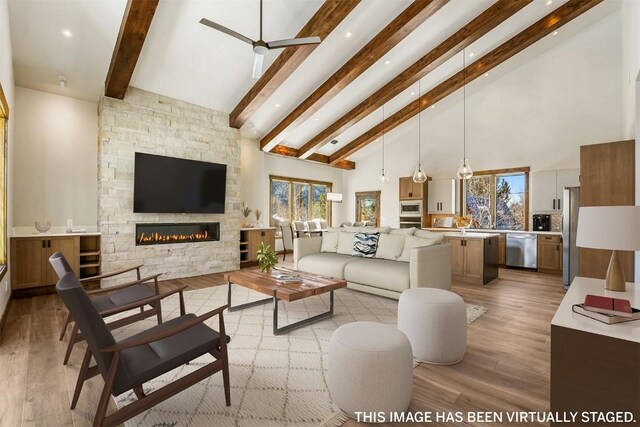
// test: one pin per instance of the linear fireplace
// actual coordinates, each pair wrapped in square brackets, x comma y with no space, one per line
[160,234]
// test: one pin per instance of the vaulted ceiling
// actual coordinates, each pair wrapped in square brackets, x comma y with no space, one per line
[373,53]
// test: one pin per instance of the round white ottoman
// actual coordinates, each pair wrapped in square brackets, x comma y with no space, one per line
[435,321]
[370,368]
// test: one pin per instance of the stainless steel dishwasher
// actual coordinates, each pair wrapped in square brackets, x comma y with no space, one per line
[522,250]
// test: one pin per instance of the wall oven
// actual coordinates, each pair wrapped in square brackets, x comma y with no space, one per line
[412,208]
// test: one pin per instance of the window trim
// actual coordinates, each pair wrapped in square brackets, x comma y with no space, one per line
[4,115]
[494,173]
[292,180]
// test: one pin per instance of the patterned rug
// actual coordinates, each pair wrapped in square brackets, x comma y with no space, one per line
[275,380]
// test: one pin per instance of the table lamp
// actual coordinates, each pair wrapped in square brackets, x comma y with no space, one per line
[615,228]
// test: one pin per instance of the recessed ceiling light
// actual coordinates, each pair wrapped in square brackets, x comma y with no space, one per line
[471,55]
[347,35]
[433,106]
[334,141]
[486,74]
[549,2]
[67,33]
[277,105]
[316,119]
[387,62]
[413,93]
[555,33]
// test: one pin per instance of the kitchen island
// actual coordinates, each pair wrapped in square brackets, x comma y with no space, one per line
[474,256]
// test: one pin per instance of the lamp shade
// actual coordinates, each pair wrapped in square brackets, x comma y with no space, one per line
[609,227]
[334,197]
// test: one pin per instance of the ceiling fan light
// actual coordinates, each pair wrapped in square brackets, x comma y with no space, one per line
[464,171]
[419,176]
[257,66]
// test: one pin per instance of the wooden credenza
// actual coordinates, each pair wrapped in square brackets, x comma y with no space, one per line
[30,267]
[250,239]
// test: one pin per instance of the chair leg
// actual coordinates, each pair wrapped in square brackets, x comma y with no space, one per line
[64,328]
[182,309]
[103,404]
[82,376]
[139,392]
[225,380]
[72,341]
[159,311]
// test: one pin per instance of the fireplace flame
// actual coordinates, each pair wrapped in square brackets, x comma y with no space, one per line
[157,237]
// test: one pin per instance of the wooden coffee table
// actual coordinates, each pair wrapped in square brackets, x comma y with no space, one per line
[312,285]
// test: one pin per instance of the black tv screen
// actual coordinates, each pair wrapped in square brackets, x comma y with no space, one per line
[170,185]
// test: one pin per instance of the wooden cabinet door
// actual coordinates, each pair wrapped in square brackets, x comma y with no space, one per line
[502,252]
[474,258]
[543,191]
[255,237]
[28,258]
[457,256]
[70,248]
[549,256]
[432,197]
[406,188]
[417,189]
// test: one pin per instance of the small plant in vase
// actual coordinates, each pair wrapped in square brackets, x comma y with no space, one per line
[267,258]
[258,214]
[246,211]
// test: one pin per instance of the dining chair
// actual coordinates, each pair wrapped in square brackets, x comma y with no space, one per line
[300,228]
[287,237]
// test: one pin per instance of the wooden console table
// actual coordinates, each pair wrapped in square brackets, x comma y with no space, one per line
[594,366]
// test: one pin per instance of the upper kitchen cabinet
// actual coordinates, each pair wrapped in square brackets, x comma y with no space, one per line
[442,196]
[410,190]
[547,188]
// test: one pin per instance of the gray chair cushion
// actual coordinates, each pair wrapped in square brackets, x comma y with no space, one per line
[122,297]
[146,362]
[325,264]
[379,273]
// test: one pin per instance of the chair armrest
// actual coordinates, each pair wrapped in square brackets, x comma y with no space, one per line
[305,246]
[140,302]
[129,343]
[115,273]
[124,285]
[430,267]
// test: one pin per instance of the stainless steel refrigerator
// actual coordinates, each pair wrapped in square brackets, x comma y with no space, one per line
[570,256]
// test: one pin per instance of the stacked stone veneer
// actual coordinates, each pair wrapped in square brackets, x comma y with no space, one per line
[150,123]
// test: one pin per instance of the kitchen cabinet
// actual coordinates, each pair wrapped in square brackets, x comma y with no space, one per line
[442,196]
[547,188]
[502,249]
[250,239]
[410,190]
[474,259]
[550,254]
[30,266]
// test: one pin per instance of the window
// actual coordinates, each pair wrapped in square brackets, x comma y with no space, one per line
[499,199]
[295,199]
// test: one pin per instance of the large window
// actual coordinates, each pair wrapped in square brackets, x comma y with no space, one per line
[498,199]
[295,199]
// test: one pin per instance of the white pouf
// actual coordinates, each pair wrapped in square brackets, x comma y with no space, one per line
[370,368]
[435,321]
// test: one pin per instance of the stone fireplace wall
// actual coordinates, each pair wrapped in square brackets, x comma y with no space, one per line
[151,123]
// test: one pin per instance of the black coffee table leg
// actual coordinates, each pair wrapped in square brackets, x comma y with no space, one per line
[300,323]
[245,305]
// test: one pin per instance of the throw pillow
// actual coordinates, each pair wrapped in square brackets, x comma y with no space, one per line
[365,245]
[345,243]
[404,231]
[390,246]
[426,234]
[411,242]
[329,241]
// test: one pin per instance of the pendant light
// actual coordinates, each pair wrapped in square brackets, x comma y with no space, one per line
[383,179]
[464,170]
[419,176]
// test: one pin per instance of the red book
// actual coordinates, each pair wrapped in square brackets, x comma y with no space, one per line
[608,305]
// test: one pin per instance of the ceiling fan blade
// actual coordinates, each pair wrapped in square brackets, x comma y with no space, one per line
[257,66]
[278,44]
[211,24]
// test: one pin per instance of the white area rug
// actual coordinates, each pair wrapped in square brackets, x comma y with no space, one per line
[275,380]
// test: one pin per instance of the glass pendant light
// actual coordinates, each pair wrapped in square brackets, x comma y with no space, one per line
[464,170]
[419,176]
[383,179]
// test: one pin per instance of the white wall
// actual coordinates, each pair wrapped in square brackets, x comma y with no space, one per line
[55,160]
[6,79]
[536,115]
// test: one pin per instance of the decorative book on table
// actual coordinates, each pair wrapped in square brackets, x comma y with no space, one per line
[287,279]
[608,305]
[604,317]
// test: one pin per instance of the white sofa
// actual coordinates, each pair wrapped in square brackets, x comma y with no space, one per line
[428,266]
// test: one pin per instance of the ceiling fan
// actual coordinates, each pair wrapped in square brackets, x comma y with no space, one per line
[260,47]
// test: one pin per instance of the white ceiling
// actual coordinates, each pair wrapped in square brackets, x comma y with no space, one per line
[188,61]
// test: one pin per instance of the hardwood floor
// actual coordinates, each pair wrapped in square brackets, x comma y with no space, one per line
[506,367]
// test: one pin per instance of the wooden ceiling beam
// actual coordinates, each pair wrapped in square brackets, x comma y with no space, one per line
[556,19]
[407,21]
[323,22]
[472,31]
[317,158]
[136,21]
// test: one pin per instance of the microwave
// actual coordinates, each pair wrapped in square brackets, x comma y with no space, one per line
[411,208]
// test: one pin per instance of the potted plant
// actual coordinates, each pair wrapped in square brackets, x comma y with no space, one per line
[267,258]
[258,213]
[246,211]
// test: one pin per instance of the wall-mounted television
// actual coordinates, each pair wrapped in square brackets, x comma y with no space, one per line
[171,185]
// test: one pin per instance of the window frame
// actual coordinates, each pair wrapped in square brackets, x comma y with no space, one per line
[291,181]
[4,140]
[494,174]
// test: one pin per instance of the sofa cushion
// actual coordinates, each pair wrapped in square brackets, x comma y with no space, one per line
[411,242]
[367,229]
[345,243]
[426,234]
[365,245]
[329,241]
[403,231]
[379,273]
[390,246]
[325,264]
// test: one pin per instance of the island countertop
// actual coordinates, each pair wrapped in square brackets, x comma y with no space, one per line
[485,230]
